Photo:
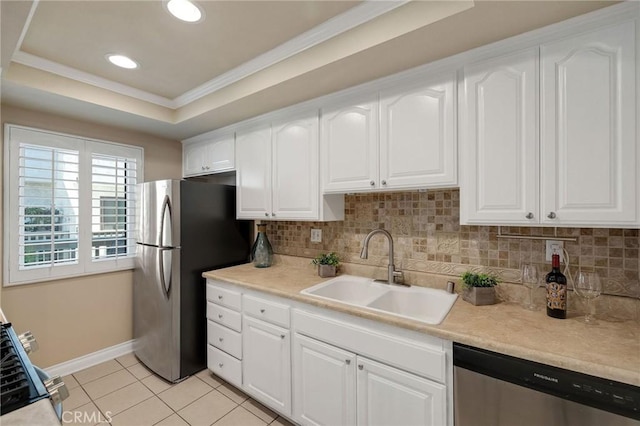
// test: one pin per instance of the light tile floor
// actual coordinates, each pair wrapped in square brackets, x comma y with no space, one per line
[123,392]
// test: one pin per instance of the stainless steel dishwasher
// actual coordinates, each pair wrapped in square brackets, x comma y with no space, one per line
[492,389]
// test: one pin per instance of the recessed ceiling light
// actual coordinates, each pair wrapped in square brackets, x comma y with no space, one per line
[122,61]
[185,10]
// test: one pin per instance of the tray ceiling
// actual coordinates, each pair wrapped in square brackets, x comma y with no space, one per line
[243,59]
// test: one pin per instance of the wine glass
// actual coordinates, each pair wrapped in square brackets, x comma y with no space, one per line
[588,286]
[530,279]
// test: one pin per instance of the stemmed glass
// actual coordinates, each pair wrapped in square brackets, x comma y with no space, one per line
[588,286]
[530,279]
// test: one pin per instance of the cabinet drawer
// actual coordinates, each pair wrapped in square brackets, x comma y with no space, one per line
[272,312]
[224,339]
[224,365]
[426,360]
[224,316]
[224,297]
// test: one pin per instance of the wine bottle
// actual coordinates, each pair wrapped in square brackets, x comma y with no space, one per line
[556,284]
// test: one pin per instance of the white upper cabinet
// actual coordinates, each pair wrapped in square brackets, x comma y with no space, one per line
[499,140]
[350,147]
[589,147]
[207,157]
[406,140]
[562,152]
[295,170]
[277,174]
[418,138]
[253,174]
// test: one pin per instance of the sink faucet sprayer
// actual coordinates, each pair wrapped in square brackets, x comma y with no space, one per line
[392,274]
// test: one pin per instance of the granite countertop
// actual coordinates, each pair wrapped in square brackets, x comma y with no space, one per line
[608,349]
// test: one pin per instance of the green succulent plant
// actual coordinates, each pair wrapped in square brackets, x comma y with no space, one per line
[470,279]
[326,259]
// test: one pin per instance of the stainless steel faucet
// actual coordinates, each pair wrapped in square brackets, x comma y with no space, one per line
[392,274]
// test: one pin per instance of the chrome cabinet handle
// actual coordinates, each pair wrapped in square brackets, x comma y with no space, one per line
[220,316]
[372,183]
[360,367]
[529,215]
[347,361]
[220,365]
[266,214]
[282,336]
[551,215]
[220,339]
[273,214]
[219,297]
[384,182]
[262,311]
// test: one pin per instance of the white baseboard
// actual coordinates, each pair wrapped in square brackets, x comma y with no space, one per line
[90,360]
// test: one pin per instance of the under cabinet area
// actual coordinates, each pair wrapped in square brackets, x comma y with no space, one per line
[404,140]
[320,367]
[555,147]
[277,174]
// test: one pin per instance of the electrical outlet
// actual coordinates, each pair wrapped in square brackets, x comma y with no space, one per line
[554,247]
[316,235]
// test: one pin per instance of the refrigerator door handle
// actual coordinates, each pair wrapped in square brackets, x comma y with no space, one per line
[166,224]
[166,269]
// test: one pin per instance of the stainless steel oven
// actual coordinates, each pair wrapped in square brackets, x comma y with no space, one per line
[22,383]
[493,389]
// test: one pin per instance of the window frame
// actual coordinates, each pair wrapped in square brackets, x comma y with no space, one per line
[86,147]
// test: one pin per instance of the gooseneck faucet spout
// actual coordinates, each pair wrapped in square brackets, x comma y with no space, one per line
[391,268]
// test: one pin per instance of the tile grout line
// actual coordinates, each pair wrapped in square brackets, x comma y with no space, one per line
[216,388]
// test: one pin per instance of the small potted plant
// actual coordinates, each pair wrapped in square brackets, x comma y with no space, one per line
[327,264]
[479,289]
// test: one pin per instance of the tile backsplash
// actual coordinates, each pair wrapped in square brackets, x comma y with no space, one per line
[428,238]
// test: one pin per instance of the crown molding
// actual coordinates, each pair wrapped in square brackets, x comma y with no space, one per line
[611,15]
[358,15]
[87,78]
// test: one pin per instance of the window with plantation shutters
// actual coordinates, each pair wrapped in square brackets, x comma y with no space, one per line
[48,206]
[69,205]
[113,185]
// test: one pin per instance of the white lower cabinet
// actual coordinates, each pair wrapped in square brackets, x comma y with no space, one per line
[389,396]
[325,383]
[320,367]
[336,381]
[266,364]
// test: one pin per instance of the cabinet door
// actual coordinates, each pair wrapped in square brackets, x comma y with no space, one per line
[266,363]
[417,137]
[589,147]
[221,155]
[193,156]
[499,141]
[388,396]
[296,191]
[350,148]
[324,381]
[253,174]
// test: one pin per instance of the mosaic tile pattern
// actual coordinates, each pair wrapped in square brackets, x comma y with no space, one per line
[428,238]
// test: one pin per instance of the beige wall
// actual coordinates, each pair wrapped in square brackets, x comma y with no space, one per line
[74,317]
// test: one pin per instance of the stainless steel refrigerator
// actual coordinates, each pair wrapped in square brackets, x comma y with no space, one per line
[184,229]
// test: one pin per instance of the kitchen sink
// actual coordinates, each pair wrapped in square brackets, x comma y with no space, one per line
[423,304]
